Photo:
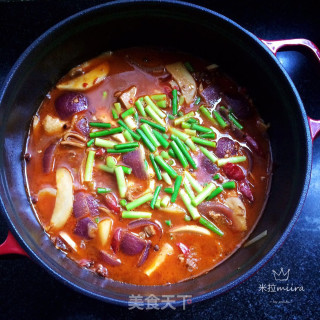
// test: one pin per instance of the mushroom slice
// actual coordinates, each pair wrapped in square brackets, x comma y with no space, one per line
[128,97]
[104,228]
[87,80]
[184,79]
[165,251]
[239,213]
[64,200]
[191,228]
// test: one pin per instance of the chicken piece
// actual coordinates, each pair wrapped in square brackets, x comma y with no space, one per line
[128,97]
[184,79]
[239,213]
[52,125]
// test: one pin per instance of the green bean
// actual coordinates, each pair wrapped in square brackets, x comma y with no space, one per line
[219,119]
[214,193]
[150,103]
[185,125]
[184,118]
[187,202]
[155,167]
[179,154]
[89,166]
[184,151]
[203,194]
[126,145]
[158,97]
[211,135]
[192,120]
[236,159]
[126,170]
[106,168]
[161,139]
[166,178]
[146,141]
[208,115]
[154,125]
[127,136]
[100,125]
[171,117]
[183,136]
[165,155]
[229,185]
[209,154]
[209,225]
[105,132]
[155,196]
[171,153]
[235,121]
[168,190]
[165,201]
[188,189]
[194,183]
[154,116]
[136,215]
[123,202]
[157,205]
[120,150]
[140,201]
[176,188]
[197,101]
[204,142]
[111,162]
[190,132]
[128,112]
[140,108]
[134,135]
[199,128]
[162,104]
[114,114]
[103,190]
[172,173]
[190,144]
[104,143]
[147,131]
[216,177]
[117,107]
[90,143]
[189,66]
[174,102]
[122,184]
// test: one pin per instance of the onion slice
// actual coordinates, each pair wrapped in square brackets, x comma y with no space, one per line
[144,254]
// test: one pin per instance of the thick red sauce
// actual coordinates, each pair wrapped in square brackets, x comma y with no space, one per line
[145,69]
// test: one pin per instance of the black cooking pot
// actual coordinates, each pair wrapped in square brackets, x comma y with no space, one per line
[169,24]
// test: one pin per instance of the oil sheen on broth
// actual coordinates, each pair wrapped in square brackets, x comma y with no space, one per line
[147,166]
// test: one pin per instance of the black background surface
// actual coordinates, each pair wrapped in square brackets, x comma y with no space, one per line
[28,292]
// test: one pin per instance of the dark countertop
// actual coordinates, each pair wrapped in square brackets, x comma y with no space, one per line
[28,292]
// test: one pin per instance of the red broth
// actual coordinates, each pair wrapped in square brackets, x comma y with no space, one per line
[160,253]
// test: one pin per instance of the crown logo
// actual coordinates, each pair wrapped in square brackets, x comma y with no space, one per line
[281,276]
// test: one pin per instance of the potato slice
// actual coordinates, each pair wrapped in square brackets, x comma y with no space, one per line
[184,79]
[165,251]
[87,80]
[191,228]
[64,200]
[104,228]
[128,97]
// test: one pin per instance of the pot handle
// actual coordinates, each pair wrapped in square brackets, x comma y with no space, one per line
[11,246]
[276,45]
